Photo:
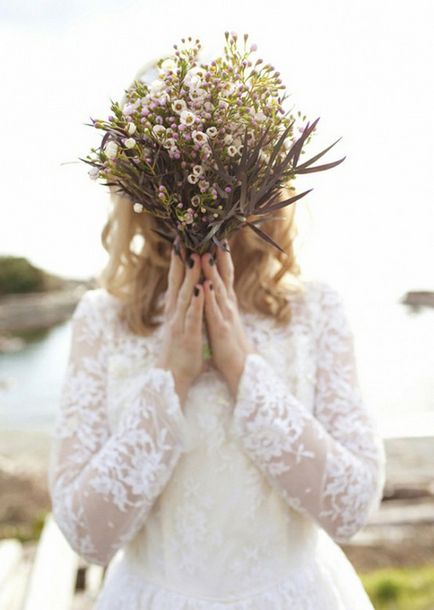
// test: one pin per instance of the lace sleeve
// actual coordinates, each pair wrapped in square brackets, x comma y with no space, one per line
[103,483]
[329,464]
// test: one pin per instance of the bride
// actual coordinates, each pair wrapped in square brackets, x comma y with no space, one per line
[218,484]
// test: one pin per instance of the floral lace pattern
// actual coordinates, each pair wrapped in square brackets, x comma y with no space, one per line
[202,507]
[102,485]
[330,463]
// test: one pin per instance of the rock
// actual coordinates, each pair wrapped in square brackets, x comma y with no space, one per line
[37,310]
[419,298]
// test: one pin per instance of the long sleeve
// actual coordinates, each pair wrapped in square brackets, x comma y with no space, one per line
[103,482]
[329,464]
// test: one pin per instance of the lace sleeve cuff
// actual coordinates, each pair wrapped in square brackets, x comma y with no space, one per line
[161,382]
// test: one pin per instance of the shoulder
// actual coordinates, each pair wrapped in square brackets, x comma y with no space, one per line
[326,304]
[318,294]
[322,290]
[98,305]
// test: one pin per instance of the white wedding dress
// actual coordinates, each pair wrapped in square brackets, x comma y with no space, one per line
[226,504]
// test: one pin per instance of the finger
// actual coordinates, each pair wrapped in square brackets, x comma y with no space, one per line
[213,313]
[194,315]
[174,281]
[225,267]
[211,273]
[191,277]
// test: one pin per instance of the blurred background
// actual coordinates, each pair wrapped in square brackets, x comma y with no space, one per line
[366,70]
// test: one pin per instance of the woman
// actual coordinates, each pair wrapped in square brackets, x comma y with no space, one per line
[223,484]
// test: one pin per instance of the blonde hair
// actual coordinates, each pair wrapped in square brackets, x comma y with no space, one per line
[139,260]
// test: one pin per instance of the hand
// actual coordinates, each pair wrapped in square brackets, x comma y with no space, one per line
[183,313]
[229,343]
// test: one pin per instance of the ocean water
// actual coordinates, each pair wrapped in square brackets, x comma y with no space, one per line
[394,352]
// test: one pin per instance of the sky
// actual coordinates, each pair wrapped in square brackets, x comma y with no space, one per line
[365,68]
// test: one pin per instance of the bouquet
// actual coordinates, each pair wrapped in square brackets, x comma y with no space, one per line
[205,147]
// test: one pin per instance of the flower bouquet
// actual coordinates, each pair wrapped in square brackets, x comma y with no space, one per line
[205,147]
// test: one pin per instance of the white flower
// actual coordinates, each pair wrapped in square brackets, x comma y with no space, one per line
[195,200]
[228,138]
[205,151]
[158,130]
[203,184]
[212,132]
[178,106]
[93,173]
[169,143]
[130,108]
[194,76]
[228,88]
[138,207]
[199,137]
[193,81]
[208,106]
[164,98]
[187,117]
[192,178]
[198,170]
[197,71]
[168,64]
[288,142]
[196,93]
[260,116]
[156,86]
[130,142]
[232,151]
[111,149]
[131,128]
[188,216]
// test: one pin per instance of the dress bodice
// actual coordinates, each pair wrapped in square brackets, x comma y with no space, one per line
[226,498]
[218,525]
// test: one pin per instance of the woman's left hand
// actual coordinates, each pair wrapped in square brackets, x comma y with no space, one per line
[229,343]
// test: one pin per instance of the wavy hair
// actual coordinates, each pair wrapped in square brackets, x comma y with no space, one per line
[137,269]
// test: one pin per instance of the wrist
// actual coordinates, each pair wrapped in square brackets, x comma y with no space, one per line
[234,374]
[182,385]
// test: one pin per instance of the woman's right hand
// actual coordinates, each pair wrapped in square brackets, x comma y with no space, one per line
[183,313]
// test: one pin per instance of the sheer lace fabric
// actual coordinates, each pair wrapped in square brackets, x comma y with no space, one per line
[224,502]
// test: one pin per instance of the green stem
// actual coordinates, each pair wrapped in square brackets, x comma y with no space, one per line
[207,351]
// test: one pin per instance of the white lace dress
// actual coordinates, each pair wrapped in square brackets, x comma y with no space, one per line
[225,504]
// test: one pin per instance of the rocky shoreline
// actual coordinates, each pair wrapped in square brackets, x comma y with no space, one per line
[38,310]
[20,313]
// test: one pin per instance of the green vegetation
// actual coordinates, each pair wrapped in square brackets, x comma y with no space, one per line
[401,588]
[18,275]
[25,532]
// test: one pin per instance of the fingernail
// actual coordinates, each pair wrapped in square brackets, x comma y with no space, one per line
[196,291]
[211,287]
[190,262]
